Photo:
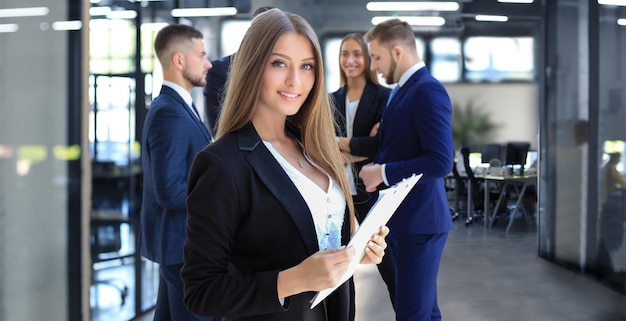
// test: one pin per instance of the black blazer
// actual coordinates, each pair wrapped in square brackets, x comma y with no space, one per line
[247,221]
[368,113]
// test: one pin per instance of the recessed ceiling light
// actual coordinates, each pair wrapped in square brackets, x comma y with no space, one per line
[612,2]
[484,17]
[122,14]
[24,12]
[9,27]
[67,25]
[412,20]
[516,1]
[99,11]
[413,6]
[204,12]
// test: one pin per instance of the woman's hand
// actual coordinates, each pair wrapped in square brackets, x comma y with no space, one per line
[375,249]
[374,130]
[319,271]
[349,159]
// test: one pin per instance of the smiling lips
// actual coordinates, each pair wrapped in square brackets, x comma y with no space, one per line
[288,95]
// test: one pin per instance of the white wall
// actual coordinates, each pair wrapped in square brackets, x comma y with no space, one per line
[514,108]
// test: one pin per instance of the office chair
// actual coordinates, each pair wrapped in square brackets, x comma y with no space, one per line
[474,204]
[455,186]
[106,238]
[460,191]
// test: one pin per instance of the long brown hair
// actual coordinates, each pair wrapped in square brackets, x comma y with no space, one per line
[370,75]
[314,119]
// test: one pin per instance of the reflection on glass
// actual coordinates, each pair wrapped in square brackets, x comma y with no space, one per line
[112,119]
[331,49]
[446,59]
[114,49]
[496,59]
[150,283]
[232,34]
[612,222]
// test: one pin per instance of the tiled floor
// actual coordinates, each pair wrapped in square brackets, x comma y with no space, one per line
[487,275]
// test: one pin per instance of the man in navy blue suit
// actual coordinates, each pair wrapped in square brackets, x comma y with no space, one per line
[173,133]
[415,136]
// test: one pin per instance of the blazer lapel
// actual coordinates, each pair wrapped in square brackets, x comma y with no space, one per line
[341,107]
[277,181]
[398,97]
[364,109]
[198,123]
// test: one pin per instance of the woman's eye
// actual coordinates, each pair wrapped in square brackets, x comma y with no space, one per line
[307,67]
[279,64]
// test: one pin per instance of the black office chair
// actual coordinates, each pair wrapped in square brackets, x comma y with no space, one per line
[459,192]
[474,203]
[106,238]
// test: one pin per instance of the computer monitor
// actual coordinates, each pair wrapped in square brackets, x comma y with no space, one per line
[531,157]
[516,153]
[474,159]
[490,151]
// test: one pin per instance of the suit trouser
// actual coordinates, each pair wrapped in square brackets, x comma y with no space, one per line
[417,265]
[170,305]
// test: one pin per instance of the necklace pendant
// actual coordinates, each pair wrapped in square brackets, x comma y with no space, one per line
[300,163]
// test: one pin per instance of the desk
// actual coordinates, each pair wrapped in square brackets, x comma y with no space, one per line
[503,182]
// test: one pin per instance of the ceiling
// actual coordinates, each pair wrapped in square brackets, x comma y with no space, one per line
[340,16]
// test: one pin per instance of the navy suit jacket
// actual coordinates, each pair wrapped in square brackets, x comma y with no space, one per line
[248,221]
[368,113]
[214,90]
[416,137]
[172,136]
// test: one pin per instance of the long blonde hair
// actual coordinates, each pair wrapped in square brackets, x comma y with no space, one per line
[314,119]
[370,75]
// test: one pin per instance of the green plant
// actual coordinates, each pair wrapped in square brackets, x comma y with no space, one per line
[495,163]
[471,126]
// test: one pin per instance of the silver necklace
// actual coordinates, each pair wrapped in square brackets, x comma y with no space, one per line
[301,163]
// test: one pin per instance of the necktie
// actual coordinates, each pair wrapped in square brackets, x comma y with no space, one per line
[393,92]
[193,106]
[195,110]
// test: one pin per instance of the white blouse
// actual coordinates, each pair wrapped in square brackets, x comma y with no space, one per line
[351,107]
[327,208]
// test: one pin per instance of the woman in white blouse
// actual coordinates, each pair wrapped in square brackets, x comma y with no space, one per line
[269,208]
[359,105]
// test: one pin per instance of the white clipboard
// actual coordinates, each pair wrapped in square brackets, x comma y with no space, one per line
[380,213]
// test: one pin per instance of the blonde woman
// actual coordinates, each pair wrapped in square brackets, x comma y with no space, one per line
[269,204]
[359,105]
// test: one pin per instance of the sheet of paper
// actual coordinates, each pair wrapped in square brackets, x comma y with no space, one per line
[380,213]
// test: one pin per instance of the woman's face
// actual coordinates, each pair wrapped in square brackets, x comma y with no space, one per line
[352,60]
[288,76]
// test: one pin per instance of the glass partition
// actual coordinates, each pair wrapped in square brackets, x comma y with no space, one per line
[121,85]
[495,59]
[40,161]
[611,221]
[446,60]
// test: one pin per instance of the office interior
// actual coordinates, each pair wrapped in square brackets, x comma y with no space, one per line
[77,77]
